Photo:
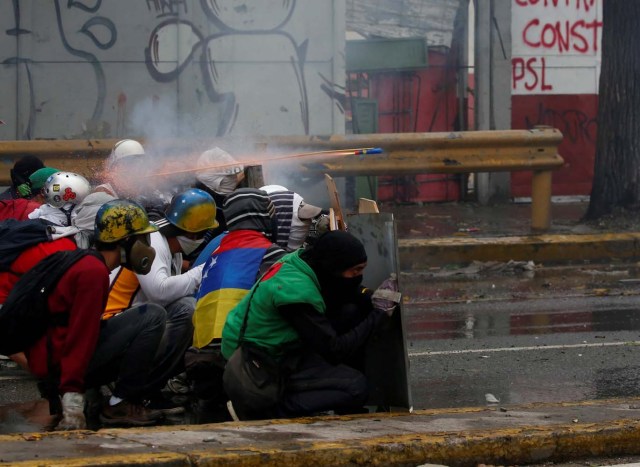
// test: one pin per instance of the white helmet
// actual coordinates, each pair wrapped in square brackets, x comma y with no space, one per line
[66,187]
[123,149]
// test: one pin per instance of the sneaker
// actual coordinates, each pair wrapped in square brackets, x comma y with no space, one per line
[162,404]
[127,413]
[179,384]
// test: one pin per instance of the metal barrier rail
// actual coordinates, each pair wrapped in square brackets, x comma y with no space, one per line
[460,152]
[533,150]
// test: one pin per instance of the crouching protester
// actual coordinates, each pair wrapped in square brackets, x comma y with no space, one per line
[285,356]
[245,253]
[75,349]
[189,216]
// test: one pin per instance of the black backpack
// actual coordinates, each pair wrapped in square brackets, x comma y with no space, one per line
[24,316]
[16,236]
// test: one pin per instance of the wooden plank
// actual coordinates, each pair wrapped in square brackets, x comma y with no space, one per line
[334,199]
[333,225]
[254,176]
[367,206]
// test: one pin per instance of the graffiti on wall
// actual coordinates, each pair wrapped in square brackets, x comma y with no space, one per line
[243,83]
[576,124]
[167,7]
[102,35]
[241,66]
[546,31]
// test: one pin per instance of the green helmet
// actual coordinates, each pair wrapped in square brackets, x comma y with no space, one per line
[121,218]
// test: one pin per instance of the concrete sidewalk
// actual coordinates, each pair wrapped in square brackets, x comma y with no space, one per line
[435,235]
[456,437]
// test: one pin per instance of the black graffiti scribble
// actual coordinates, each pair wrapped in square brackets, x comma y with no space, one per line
[335,91]
[18,61]
[151,52]
[575,124]
[82,6]
[167,7]
[99,21]
[212,9]
[91,59]
[16,15]
[201,53]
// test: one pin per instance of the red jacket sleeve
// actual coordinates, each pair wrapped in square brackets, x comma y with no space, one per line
[82,292]
[28,259]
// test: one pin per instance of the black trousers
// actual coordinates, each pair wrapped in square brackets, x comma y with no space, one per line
[318,386]
[126,349]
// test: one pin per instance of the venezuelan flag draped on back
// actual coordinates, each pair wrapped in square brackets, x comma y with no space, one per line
[227,276]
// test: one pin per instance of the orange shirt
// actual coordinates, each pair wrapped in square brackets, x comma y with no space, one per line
[121,293]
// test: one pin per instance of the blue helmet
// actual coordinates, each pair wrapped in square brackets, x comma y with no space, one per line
[193,210]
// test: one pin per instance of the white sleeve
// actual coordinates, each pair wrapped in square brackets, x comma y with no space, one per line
[35,214]
[159,286]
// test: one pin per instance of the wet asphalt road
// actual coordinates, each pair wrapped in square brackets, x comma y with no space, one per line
[551,335]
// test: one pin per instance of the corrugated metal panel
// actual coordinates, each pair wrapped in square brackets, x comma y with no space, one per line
[432,19]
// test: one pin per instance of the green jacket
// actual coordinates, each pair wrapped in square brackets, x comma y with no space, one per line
[291,280]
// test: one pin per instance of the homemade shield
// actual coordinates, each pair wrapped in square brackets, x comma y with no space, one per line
[387,361]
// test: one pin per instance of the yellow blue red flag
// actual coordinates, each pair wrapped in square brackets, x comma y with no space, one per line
[227,276]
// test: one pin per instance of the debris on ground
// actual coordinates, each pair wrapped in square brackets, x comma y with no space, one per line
[480,267]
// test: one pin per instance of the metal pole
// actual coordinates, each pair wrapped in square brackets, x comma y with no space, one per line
[541,200]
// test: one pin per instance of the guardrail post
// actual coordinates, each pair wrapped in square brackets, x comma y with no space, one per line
[541,200]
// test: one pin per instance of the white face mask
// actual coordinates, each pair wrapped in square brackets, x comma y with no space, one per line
[188,245]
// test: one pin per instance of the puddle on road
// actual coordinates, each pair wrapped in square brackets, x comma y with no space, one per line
[427,324]
[26,417]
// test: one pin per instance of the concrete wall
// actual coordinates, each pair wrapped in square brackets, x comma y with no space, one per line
[97,68]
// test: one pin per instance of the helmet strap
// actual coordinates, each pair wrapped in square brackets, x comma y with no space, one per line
[123,254]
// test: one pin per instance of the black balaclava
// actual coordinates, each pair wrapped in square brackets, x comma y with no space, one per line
[332,254]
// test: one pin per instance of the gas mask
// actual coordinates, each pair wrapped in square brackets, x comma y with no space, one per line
[137,254]
[188,245]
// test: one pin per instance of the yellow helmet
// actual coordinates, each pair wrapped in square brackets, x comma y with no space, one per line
[121,218]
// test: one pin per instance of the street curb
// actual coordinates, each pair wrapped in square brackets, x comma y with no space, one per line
[416,254]
[375,439]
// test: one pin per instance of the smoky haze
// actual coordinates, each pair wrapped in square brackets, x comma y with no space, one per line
[173,146]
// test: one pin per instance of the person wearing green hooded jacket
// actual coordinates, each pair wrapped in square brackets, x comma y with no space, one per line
[286,316]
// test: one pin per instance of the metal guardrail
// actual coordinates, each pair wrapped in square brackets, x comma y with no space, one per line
[533,150]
